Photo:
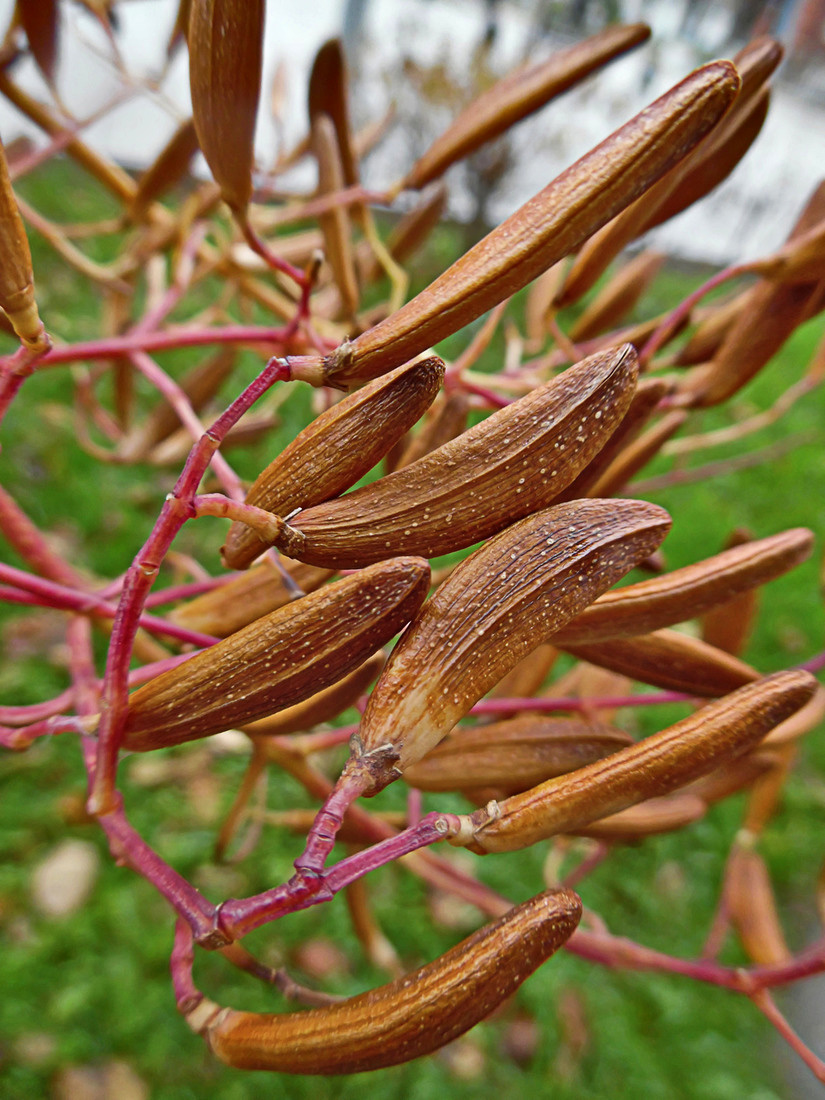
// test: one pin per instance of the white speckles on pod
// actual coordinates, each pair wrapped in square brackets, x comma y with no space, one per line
[474,485]
[492,610]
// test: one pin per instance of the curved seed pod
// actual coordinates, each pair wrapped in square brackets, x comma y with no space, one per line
[328,95]
[280,659]
[514,754]
[496,606]
[40,20]
[180,28]
[167,170]
[551,225]
[336,449]
[649,392]
[335,223]
[510,464]
[16,276]
[669,660]
[738,774]
[225,59]
[685,593]
[612,304]
[653,767]
[752,907]
[806,719]
[247,597]
[706,167]
[406,1019]
[518,95]
[321,707]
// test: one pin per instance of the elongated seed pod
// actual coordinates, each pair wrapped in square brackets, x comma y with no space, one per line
[280,659]
[670,660]
[684,593]
[336,449]
[707,165]
[446,420]
[406,1019]
[648,818]
[411,231]
[752,907]
[496,606]
[713,324]
[16,277]
[510,464]
[526,677]
[167,169]
[335,223]
[41,22]
[551,225]
[225,60]
[247,597]
[518,95]
[514,754]
[729,625]
[328,95]
[653,767]
[636,455]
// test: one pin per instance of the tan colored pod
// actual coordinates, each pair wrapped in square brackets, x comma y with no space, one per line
[518,95]
[336,449]
[636,455]
[685,593]
[752,907]
[328,95]
[225,61]
[648,818]
[406,1019]
[653,767]
[41,22]
[512,463]
[279,659]
[669,660]
[548,227]
[335,223]
[16,276]
[514,754]
[496,606]
[729,625]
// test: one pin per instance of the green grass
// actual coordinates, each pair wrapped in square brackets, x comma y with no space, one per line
[96,983]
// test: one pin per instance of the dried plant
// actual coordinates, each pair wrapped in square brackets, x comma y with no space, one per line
[558,430]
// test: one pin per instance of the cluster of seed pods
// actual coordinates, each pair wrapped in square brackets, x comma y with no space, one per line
[326,576]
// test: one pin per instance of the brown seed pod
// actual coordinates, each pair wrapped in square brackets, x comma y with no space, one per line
[225,60]
[648,818]
[752,907]
[16,277]
[411,231]
[651,768]
[669,660]
[514,754]
[328,95]
[518,95]
[279,659]
[41,22]
[551,225]
[684,593]
[336,449]
[636,455]
[335,223]
[406,1019]
[710,163]
[512,463]
[496,606]
[247,597]
[729,625]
